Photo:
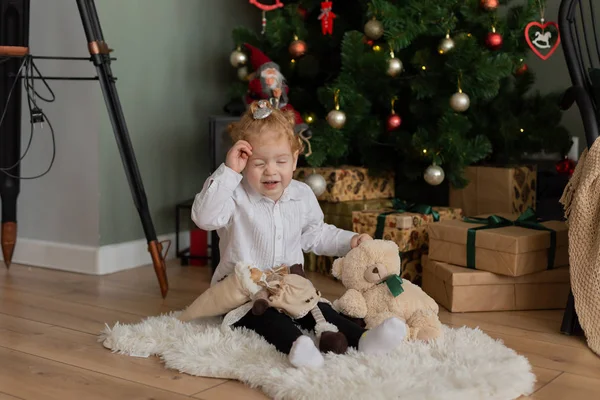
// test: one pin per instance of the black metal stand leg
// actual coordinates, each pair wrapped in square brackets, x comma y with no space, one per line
[99,52]
[14,31]
[570,323]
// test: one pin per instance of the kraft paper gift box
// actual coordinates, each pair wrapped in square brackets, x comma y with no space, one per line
[461,289]
[348,183]
[407,229]
[496,190]
[340,215]
[506,250]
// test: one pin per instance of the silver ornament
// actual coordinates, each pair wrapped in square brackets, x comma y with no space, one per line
[434,175]
[394,66]
[374,29]
[317,183]
[242,73]
[460,102]
[238,58]
[446,45]
[336,119]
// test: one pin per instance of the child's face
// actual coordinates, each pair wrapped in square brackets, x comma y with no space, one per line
[271,167]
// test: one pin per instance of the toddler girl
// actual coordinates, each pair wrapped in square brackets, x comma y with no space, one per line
[266,217]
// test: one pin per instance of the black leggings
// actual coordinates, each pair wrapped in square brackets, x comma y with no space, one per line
[281,331]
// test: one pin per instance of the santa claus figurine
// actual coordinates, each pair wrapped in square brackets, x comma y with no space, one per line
[267,82]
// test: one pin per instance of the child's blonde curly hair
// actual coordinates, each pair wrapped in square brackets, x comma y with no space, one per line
[252,125]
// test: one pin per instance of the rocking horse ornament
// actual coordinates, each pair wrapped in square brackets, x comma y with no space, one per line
[542,38]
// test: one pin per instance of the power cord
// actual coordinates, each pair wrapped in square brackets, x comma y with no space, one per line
[35,112]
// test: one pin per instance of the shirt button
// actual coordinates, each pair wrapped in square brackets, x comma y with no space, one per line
[278,237]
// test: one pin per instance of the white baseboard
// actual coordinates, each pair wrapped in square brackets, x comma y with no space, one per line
[89,259]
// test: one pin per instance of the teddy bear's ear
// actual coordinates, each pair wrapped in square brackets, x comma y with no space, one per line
[336,268]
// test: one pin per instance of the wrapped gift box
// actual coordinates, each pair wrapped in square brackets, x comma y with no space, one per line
[340,214]
[407,229]
[496,190]
[349,183]
[508,250]
[462,289]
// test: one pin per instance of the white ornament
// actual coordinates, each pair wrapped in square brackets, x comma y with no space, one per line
[336,119]
[446,45]
[238,58]
[394,66]
[317,183]
[460,102]
[434,175]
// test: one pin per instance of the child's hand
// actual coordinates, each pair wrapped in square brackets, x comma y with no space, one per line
[358,239]
[238,155]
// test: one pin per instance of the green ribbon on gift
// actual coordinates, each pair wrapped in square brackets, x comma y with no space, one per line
[401,206]
[526,220]
[394,283]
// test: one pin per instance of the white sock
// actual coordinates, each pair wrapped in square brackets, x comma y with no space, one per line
[304,353]
[384,337]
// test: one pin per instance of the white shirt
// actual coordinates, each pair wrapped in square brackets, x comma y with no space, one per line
[255,229]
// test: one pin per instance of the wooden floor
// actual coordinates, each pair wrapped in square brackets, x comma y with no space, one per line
[49,322]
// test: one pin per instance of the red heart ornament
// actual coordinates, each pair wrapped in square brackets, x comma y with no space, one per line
[542,27]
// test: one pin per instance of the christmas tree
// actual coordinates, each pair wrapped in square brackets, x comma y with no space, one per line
[415,86]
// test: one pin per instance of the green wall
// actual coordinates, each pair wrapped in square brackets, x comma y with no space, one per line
[173,72]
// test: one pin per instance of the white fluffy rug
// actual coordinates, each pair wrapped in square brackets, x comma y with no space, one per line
[466,364]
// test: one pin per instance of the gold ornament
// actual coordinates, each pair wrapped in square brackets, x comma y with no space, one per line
[238,58]
[446,45]
[297,47]
[434,175]
[374,29]
[336,118]
[394,65]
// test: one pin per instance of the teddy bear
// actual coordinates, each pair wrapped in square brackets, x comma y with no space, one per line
[284,288]
[376,292]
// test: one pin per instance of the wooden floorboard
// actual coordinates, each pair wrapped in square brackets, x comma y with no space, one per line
[50,320]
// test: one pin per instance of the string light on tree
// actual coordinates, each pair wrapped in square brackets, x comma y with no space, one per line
[434,174]
[238,58]
[393,120]
[493,40]
[317,183]
[460,101]
[336,118]
[297,47]
[446,44]
[374,29]
[394,65]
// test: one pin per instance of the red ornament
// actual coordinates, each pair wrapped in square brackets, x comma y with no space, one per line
[368,41]
[493,40]
[521,69]
[327,17]
[489,5]
[297,48]
[542,40]
[565,166]
[302,12]
[393,122]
